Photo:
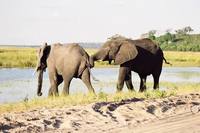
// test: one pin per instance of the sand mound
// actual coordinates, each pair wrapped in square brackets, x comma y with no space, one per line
[173,114]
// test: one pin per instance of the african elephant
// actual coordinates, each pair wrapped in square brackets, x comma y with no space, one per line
[142,56]
[63,62]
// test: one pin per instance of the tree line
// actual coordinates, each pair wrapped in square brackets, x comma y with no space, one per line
[180,40]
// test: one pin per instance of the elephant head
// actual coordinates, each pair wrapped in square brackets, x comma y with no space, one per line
[43,53]
[119,49]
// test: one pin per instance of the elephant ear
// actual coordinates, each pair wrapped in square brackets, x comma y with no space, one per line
[127,51]
[43,53]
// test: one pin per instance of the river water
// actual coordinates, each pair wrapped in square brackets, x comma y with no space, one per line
[17,84]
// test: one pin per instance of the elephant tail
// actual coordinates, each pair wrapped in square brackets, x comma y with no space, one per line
[166,61]
[93,77]
[85,64]
[89,65]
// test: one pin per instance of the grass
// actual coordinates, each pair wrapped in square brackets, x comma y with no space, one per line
[17,57]
[83,99]
[183,58]
[26,57]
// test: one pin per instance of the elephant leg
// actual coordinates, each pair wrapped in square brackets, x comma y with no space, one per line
[67,75]
[142,83]
[53,91]
[85,77]
[156,81]
[67,82]
[121,78]
[128,81]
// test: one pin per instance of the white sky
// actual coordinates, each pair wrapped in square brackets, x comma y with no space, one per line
[36,21]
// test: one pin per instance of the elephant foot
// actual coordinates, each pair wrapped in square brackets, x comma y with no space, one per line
[155,88]
[131,90]
[53,94]
[64,93]
[39,94]
[119,91]
[119,88]
[91,93]
[142,89]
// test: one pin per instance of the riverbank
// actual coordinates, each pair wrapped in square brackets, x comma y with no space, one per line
[26,57]
[25,104]
[178,113]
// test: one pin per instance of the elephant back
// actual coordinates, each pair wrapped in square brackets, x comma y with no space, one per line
[85,56]
[147,44]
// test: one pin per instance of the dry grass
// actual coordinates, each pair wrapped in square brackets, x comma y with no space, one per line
[183,58]
[17,57]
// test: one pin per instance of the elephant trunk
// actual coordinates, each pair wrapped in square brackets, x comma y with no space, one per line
[102,54]
[40,79]
[96,56]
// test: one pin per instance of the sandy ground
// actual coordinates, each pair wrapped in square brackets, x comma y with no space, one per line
[177,114]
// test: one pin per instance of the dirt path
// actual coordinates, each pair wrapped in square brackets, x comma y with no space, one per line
[174,114]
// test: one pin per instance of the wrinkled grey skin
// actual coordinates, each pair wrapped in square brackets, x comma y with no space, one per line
[142,56]
[63,63]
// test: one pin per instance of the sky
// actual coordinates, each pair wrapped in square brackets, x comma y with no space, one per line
[31,22]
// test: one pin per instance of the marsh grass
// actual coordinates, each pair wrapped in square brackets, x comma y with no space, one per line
[17,57]
[183,58]
[26,57]
[83,99]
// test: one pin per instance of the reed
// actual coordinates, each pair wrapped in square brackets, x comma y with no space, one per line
[17,57]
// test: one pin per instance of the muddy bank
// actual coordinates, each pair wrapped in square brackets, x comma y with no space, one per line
[173,114]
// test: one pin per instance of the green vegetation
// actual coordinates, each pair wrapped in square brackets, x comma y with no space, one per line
[174,42]
[181,40]
[27,57]
[82,99]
